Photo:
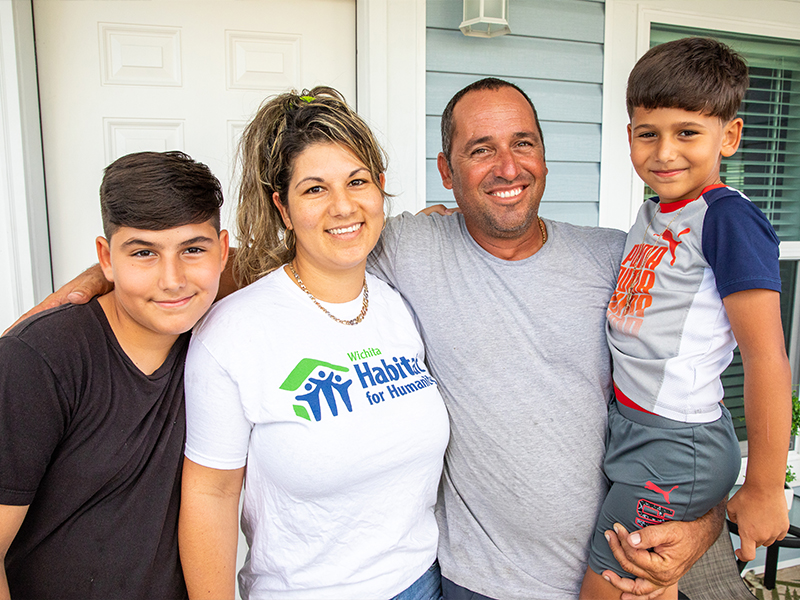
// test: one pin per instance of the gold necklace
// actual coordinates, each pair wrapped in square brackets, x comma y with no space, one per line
[543,229]
[364,304]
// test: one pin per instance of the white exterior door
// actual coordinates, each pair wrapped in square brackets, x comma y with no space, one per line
[123,76]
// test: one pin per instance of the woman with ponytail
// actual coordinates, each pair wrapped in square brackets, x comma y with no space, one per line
[310,384]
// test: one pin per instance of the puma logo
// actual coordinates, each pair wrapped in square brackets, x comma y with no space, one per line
[653,487]
[673,241]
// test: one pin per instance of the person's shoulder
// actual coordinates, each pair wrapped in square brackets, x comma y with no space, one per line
[600,238]
[62,325]
[727,205]
[587,245]
[65,339]
[379,288]
[261,297]
[725,195]
[411,226]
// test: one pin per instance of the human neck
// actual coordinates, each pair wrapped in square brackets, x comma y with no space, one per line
[328,285]
[147,349]
[512,248]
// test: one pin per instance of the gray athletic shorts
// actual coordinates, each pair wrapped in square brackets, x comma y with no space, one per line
[661,470]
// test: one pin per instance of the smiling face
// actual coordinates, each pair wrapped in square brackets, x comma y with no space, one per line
[164,281]
[335,209]
[678,152]
[497,169]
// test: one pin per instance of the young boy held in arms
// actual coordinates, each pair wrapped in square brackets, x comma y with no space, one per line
[699,274]
[92,421]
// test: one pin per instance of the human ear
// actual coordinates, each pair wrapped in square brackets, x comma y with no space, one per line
[630,134]
[731,137]
[104,257]
[276,200]
[444,171]
[224,245]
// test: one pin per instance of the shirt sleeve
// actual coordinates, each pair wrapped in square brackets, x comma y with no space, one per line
[217,431]
[34,415]
[741,246]
[383,258]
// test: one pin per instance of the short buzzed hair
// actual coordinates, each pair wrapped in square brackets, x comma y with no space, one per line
[158,191]
[695,74]
[488,83]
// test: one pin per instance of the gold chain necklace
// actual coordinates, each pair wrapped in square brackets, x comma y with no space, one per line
[364,304]
[630,293]
[543,229]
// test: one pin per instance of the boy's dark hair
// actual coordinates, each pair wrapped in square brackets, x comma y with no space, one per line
[488,83]
[695,74]
[157,191]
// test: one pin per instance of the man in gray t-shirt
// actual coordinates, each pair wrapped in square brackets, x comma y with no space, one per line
[512,310]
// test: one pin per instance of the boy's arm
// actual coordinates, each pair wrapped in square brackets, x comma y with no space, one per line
[11,518]
[759,507]
[208,530]
[92,283]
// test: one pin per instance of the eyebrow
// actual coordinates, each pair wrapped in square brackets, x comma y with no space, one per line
[321,180]
[147,244]
[519,135]
[679,125]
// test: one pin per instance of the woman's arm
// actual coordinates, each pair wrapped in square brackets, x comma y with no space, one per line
[208,530]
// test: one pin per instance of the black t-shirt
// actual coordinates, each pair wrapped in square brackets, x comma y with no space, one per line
[95,447]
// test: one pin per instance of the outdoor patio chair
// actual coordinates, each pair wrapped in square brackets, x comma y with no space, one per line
[792,540]
[716,575]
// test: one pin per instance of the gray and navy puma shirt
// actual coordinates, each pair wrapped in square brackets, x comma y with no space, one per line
[667,328]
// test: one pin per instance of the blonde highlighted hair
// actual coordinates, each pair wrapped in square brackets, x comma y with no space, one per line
[284,127]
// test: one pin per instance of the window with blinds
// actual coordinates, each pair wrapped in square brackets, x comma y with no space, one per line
[767,166]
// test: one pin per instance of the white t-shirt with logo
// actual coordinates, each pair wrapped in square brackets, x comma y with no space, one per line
[342,430]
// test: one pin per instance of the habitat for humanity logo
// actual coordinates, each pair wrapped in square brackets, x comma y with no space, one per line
[327,383]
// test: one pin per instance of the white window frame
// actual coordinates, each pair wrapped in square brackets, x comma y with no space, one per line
[627,38]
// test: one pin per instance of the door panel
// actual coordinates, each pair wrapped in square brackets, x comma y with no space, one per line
[123,76]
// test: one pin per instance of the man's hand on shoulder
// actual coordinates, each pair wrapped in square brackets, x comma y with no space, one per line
[660,555]
[80,290]
[439,209]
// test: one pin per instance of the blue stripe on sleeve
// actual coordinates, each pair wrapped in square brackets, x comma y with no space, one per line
[739,243]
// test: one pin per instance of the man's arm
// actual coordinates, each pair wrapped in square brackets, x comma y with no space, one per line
[759,507]
[11,518]
[659,555]
[80,290]
[208,530]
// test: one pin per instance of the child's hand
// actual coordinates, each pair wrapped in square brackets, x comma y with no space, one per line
[762,518]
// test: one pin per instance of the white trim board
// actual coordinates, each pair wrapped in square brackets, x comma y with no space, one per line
[25,255]
[390,76]
[627,37]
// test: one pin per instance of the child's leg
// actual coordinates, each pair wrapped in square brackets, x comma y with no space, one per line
[596,588]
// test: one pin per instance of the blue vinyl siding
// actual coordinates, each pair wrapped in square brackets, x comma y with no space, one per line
[555,54]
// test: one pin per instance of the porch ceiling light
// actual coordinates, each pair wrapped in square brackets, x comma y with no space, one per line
[485,18]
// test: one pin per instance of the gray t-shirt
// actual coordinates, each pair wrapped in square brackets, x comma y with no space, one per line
[519,352]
